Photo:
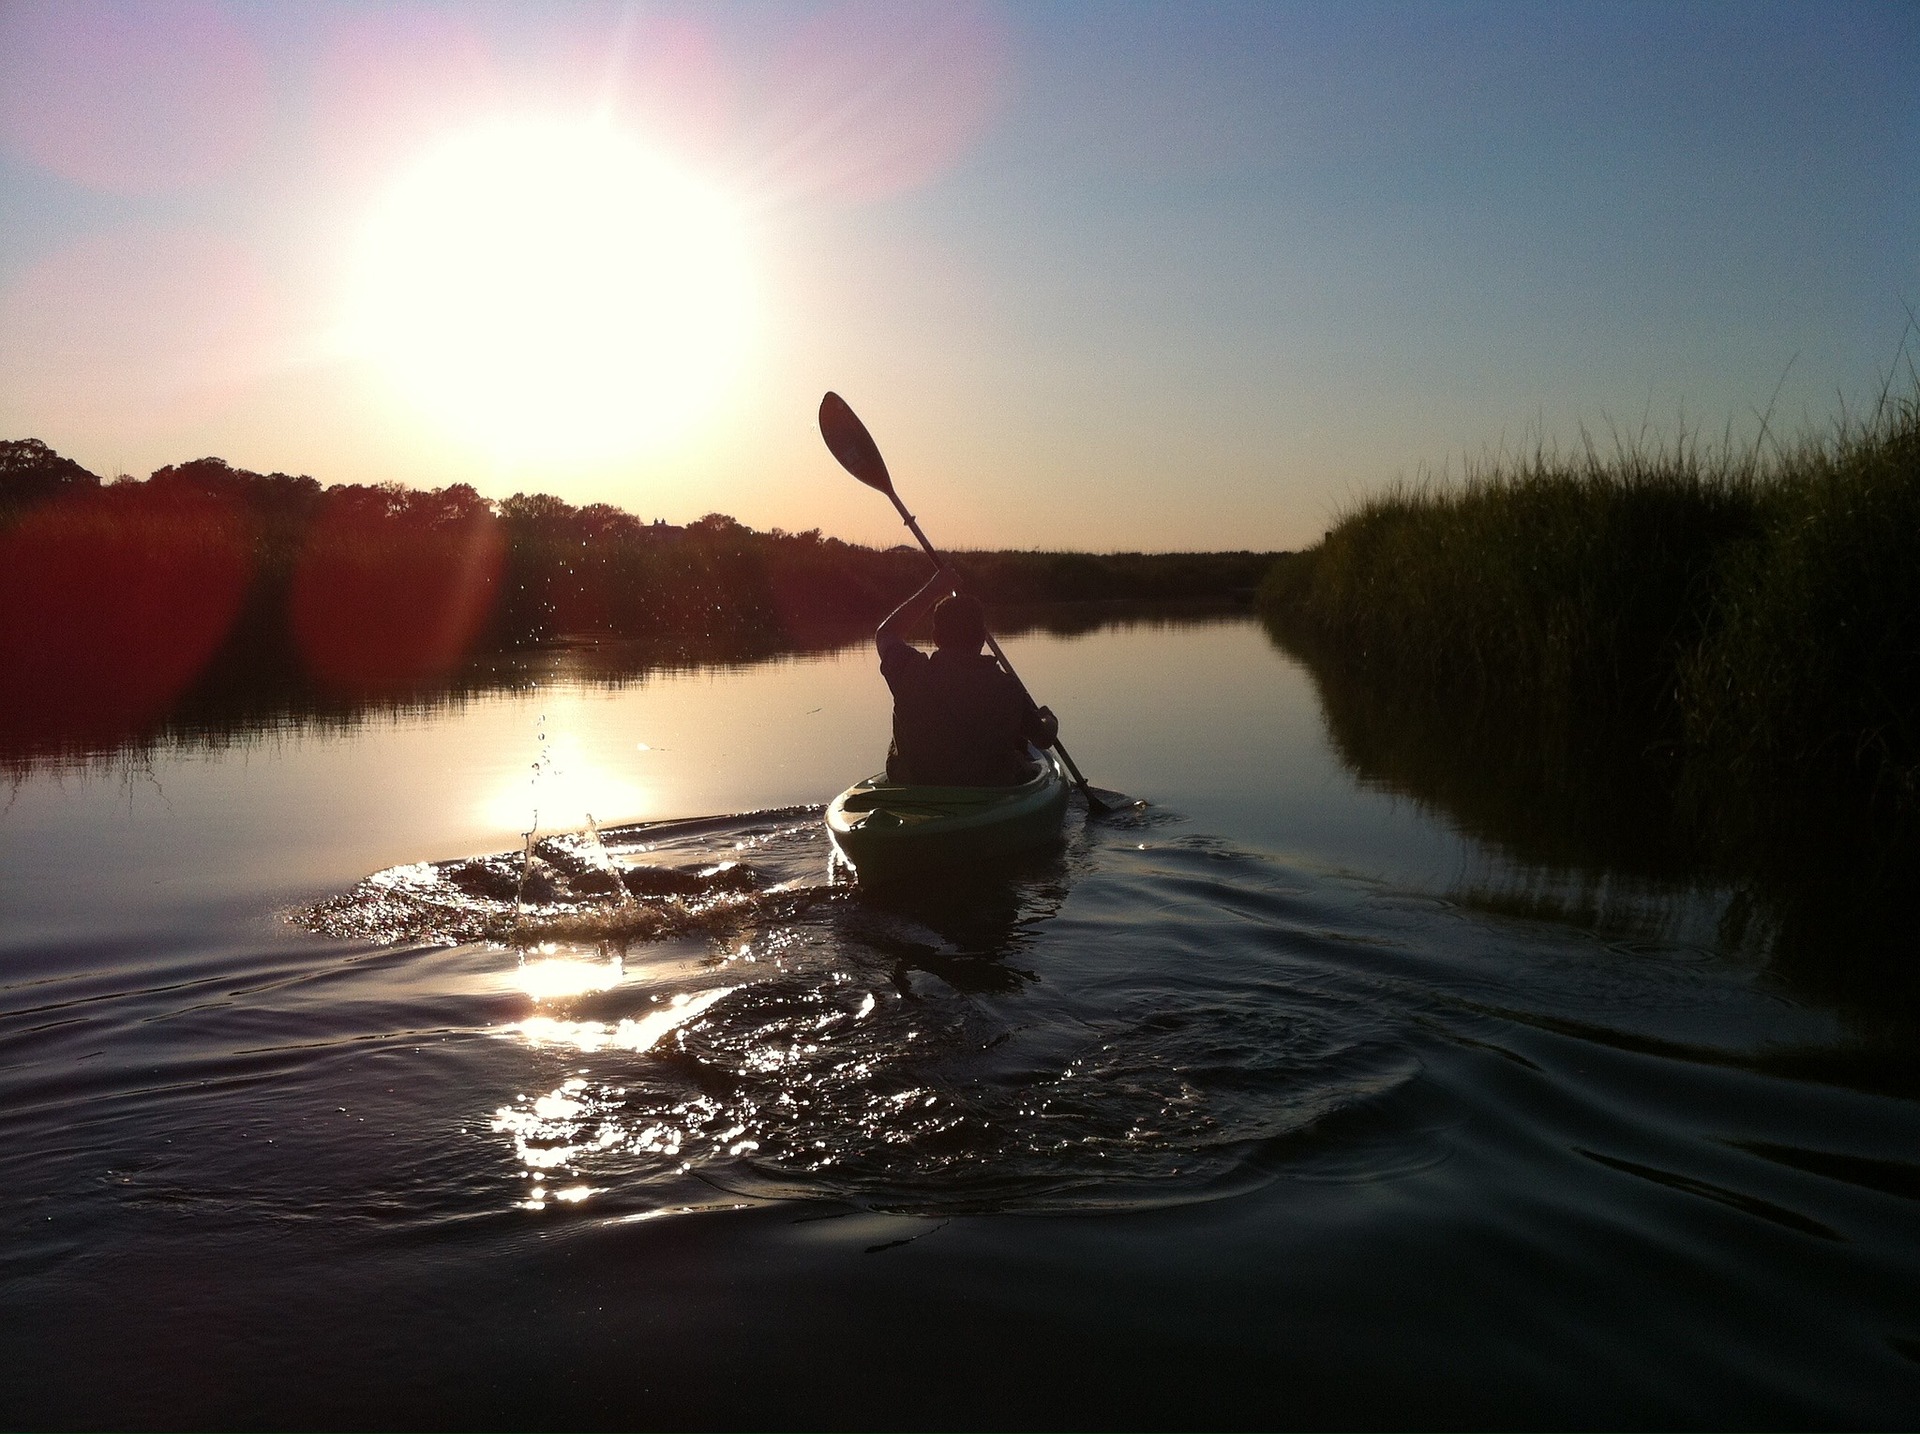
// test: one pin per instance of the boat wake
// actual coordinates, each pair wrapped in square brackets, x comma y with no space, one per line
[625,884]
[710,1010]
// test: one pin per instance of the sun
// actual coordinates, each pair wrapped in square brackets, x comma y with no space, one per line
[551,290]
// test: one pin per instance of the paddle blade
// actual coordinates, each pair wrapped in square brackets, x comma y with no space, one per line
[849,441]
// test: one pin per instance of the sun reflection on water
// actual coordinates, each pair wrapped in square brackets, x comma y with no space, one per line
[577,1119]
[564,789]
[550,976]
[626,1034]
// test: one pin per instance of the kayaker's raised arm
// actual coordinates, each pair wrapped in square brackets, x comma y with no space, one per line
[903,619]
[1043,728]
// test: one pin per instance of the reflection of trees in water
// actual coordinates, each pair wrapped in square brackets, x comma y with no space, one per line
[1078,619]
[208,596]
[1600,819]
[237,705]
[253,691]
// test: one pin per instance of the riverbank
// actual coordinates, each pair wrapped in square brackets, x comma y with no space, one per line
[207,591]
[1711,658]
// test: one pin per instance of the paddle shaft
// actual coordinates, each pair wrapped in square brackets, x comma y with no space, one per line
[913,526]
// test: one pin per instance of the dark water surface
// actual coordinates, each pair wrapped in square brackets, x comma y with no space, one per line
[1270,1100]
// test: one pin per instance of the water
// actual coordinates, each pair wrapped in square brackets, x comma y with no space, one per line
[1270,1100]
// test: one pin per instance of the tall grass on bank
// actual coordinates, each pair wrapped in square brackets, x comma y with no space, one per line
[1748,620]
[1810,667]
[1554,585]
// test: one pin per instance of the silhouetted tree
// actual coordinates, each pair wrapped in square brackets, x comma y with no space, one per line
[31,473]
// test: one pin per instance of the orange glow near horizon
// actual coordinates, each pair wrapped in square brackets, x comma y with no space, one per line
[553,290]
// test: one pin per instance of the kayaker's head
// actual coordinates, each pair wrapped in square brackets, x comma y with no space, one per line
[959,624]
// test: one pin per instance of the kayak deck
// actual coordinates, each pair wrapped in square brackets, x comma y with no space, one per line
[885,828]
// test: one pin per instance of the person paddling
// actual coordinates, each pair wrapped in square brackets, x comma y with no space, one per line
[960,719]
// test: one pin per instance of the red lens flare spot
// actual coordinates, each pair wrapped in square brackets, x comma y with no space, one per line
[392,587]
[111,603]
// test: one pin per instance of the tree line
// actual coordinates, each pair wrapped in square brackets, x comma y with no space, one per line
[117,597]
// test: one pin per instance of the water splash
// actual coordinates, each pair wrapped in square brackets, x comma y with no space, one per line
[707,1009]
[581,887]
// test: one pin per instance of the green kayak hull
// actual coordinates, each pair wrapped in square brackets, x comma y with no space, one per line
[886,829]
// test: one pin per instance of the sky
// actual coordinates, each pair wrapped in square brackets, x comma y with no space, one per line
[1097,276]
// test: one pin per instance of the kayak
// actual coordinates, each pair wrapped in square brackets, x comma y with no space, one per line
[887,829]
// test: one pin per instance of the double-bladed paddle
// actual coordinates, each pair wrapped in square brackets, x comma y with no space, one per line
[848,440]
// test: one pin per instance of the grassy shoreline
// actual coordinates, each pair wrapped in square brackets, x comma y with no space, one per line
[1733,636]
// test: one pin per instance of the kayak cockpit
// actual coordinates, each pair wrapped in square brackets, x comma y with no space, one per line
[885,828]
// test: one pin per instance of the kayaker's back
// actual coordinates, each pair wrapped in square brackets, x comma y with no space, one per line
[958,719]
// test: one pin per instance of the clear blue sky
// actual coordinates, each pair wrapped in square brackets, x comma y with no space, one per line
[1098,276]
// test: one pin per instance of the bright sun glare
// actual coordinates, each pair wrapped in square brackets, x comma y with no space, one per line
[563,790]
[555,291]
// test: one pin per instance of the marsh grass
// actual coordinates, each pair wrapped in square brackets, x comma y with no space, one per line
[1758,608]
[1555,583]
[1668,658]
[1810,666]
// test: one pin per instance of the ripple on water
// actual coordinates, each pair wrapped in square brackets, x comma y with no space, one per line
[707,1012]
[715,1012]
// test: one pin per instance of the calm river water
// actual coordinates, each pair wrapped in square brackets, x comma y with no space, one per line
[1269,1100]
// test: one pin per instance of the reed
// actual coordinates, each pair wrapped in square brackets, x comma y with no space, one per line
[1810,668]
[1550,586]
[1737,631]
